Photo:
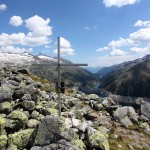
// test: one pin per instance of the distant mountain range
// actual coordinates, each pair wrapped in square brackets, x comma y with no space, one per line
[72,76]
[130,78]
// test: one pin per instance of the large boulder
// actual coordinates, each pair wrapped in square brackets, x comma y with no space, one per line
[126,116]
[97,139]
[22,139]
[52,129]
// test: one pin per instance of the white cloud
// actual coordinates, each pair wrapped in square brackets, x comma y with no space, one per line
[140,50]
[38,26]
[140,23]
[102,49]
[12,49]
[112,60]
[118,3]
[3,7]
[11,39]
[39,32]
[16,21]
[141,36]
[117,52]
[65,47]
[121,42]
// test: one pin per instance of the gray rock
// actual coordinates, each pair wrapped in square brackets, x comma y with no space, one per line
[97,139]
[21,139]
[145,109]
[93,97]
[32,123]
[35,114]
[83,126]
[5,107]
[26,97]
[63,145]
[125,115]
[52,129]
[28,105]
[98,106]
[6,94]
[107,102]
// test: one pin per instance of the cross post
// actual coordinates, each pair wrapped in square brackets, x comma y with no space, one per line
[59,73]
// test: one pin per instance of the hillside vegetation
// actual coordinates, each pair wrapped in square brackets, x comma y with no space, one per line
[134,81]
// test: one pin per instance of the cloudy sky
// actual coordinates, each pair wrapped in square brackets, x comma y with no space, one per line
[97,32]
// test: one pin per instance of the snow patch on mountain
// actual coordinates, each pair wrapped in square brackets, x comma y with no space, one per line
[15,59]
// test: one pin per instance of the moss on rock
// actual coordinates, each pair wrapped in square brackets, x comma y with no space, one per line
[16,114]
[3,142]
[21,139]
[79,143]
[5,107]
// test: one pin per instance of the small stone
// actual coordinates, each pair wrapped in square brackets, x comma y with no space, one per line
[32,123]
[35,114]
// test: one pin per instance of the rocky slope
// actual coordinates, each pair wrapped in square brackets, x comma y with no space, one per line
[70,75]
[29,118]
[131,81]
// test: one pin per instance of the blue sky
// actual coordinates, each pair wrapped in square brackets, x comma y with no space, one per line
[97,32]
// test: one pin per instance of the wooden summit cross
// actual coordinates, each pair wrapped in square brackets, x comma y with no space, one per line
[59,73]
[59,65]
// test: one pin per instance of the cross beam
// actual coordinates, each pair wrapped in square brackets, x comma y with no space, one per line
[59,65]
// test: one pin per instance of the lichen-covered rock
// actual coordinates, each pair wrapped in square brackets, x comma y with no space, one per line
[49,111]
[21,139]
[97,106]
[18,115]
[96,139]
[28,105]
[26,97]
[63,145]
[32,123]
[12,147]
[79,144]
[35,114]
[52,129]
[125,115]
[5,107]
[13,124]
[2,123]
[3,142]
[6,93]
